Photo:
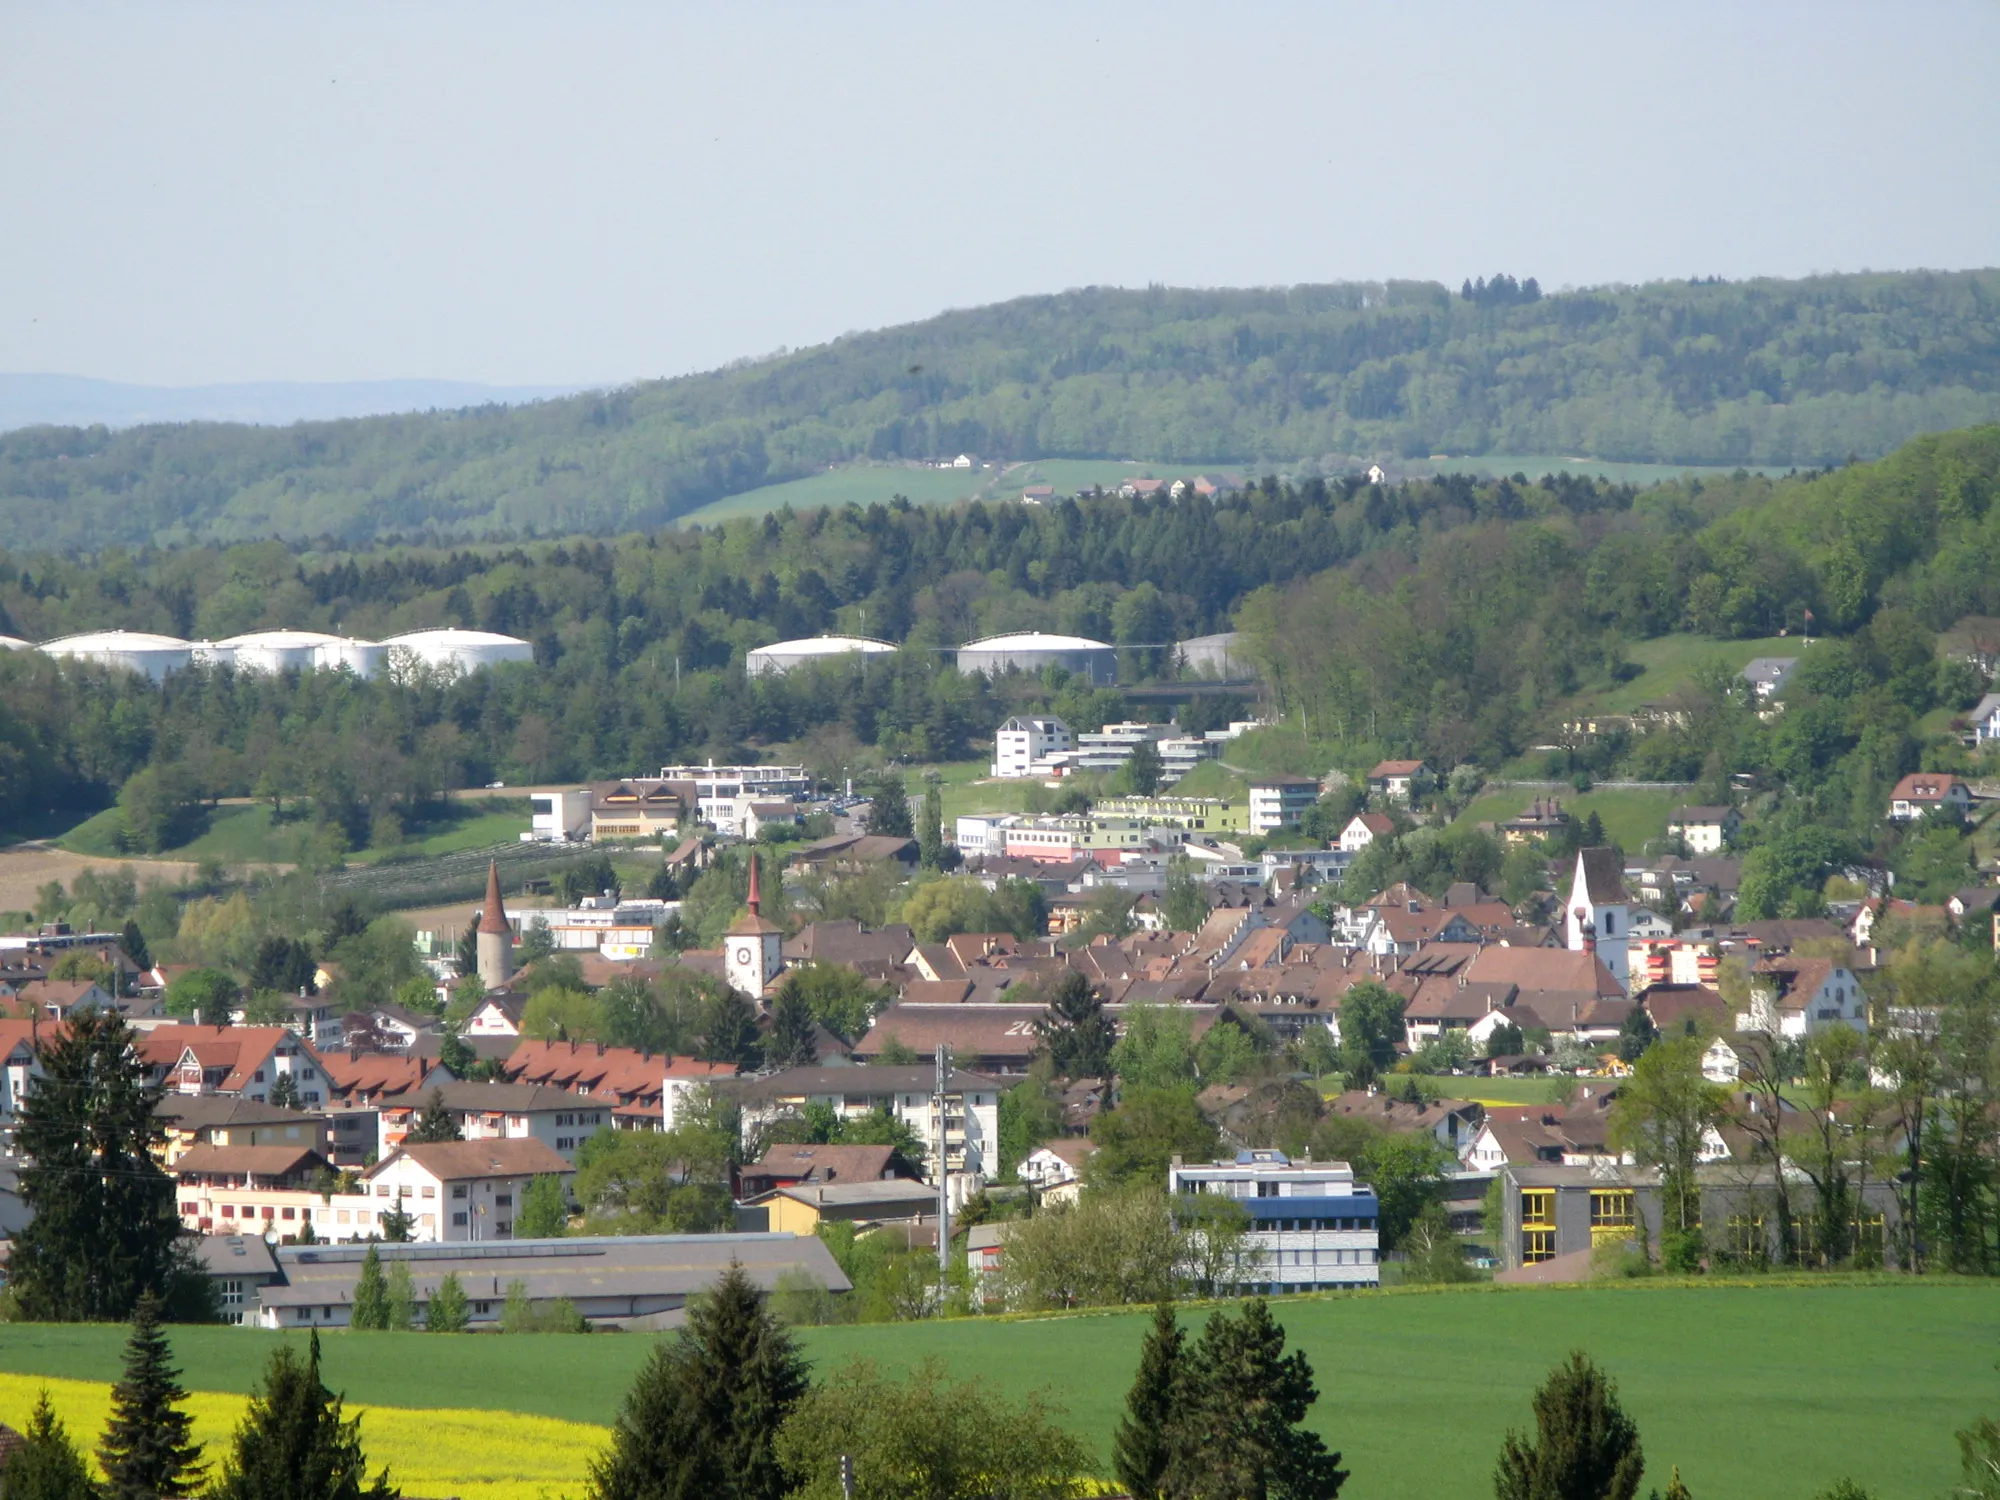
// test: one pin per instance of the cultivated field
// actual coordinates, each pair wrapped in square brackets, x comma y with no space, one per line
[1758,1391]
[1631,815]
[870,484]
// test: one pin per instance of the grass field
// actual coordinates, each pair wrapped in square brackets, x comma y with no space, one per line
[1491,1091]
[1757,1391]
[244,833]
[1670,661]
[1631,815]
[1535,465]
[869,484]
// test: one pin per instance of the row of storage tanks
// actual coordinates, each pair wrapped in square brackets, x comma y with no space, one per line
[446,650]
[1025,651]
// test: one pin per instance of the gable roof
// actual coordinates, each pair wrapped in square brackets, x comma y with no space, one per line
[457,1160]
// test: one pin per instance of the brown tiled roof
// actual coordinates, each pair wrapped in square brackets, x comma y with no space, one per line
[453,1160]
[238,1161]
[821,1163]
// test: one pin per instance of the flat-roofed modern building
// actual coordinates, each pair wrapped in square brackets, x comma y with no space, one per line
[640,1281]
[1311,1225]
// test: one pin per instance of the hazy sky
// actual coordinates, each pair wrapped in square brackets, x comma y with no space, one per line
[566,192]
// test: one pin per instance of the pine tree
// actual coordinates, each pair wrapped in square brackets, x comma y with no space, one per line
[448,1311]
[1140,1450]
[402,1299]
[1584,1447]
[700,1419]
[1077,1033]
[544,1211]
[434,1124]
[930,830]
[49,1466]
[889,809]
[371,1295]
[103,1229]
[293,1444]
[133,941]
[397,1224]
[1675,1489]
[1238,1432]
[146,1453]
[791,1041]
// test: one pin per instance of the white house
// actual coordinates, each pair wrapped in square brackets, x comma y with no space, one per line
[1022,746]
[1767,675]
[1924,792]
[1647,925]
[1280,801]
[1795,997]
[1704,829]
[1986,719]
[1056,1170]
[558,817]
[1363,829]
[463,1190]
[1720,1063]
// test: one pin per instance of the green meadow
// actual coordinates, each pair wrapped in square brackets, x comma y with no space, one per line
[1758,1391]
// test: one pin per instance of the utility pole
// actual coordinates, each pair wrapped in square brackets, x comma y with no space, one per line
[943,1173]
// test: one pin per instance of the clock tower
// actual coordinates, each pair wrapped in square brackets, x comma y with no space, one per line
[752,948]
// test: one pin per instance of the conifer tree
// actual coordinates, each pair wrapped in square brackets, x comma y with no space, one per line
[370,1312]
[434,1124]
[146,1452]
[448,1311]
[1584,1446]
[790,1044]
[293,1444]
[401,1301]
[1077,1033]
[397,1224]
[1140,1450]
[930,830]
[104,1228]
[700,1420]
[49,1466]
[1236,1428]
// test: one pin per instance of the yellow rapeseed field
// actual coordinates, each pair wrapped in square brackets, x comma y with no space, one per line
[476,1455]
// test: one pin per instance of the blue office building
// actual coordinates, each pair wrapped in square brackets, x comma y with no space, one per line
[1312,1226]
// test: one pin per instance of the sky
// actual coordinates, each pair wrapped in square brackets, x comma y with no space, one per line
[597,192]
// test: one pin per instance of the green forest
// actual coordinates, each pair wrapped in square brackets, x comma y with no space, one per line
[1301,379]
[1452,618]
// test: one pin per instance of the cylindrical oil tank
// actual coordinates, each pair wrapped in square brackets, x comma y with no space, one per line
[130,650]
[1030,651]
[782,656]
[452,650]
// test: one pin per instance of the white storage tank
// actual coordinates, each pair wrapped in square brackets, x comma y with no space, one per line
[362,658]
[15,643]
[452,650]
[782,656]
[1031,650]
[131,650]
[1214,655]
[278,650]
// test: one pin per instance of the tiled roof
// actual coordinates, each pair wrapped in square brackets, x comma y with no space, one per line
[456,1160]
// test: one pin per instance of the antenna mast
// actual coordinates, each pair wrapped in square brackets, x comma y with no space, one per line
[943,1176]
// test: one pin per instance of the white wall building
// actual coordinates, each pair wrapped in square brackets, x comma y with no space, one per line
[558,817]
[723,794]
[1022,746]
[1596,917]
[1312,1226]
[1280,801]
[463,1190]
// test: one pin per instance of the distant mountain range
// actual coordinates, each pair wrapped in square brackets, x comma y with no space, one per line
[1768,372]
[79,401]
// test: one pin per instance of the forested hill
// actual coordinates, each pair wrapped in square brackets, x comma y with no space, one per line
[1761,372]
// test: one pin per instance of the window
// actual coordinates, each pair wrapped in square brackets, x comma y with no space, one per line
[1746,1235]
[506,1200]
[1537,1245]
[229,1212]
[1538,1208]
[1611,1208]
[382,1191]
[232,1293]
[1610,926]
[458,1221]
[292,1213]
[507,1228]
[458,1191]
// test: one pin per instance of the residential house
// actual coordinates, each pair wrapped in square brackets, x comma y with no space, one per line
[1767,675]
[1541,819]
[801,1209]
[560,1120]
[641,1090]
[760,817]
[1452,1122]
[1024,744]
[246,1061]
[1311,1225]
[1363,829]
[191,1120]
[248,1189]
[853,853]
[1795,997]
[1399,780]
[1704,830]
[463,1190]
[970,1125]
[1055,1168]
[240,1266]
[1924,792]
[722,794]
[1985,720]
[497,1015]
[784,1166]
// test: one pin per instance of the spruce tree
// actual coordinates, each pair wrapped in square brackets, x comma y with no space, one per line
[448,1311]
[398,1224]
[370,1312]
[790,1043]
[1140,1450]
[146,1452]
[1076,1031]
[1237,1428]
[700,1420]
[104,1228]
[434,1124]
[49,1466]
[401,1302]
[293,1444]
[1584,1446]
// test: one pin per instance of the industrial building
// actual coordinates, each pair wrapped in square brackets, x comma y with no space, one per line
[454,651]
[1030,651]
[139,651]
[781,656]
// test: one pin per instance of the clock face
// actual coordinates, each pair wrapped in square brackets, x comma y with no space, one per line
[743,955]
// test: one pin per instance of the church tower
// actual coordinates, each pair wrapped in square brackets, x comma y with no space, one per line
[752,948]
[1599,916]
[496,937]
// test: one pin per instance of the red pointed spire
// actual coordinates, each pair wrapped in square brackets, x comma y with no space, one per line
[753,886]
[494,917]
